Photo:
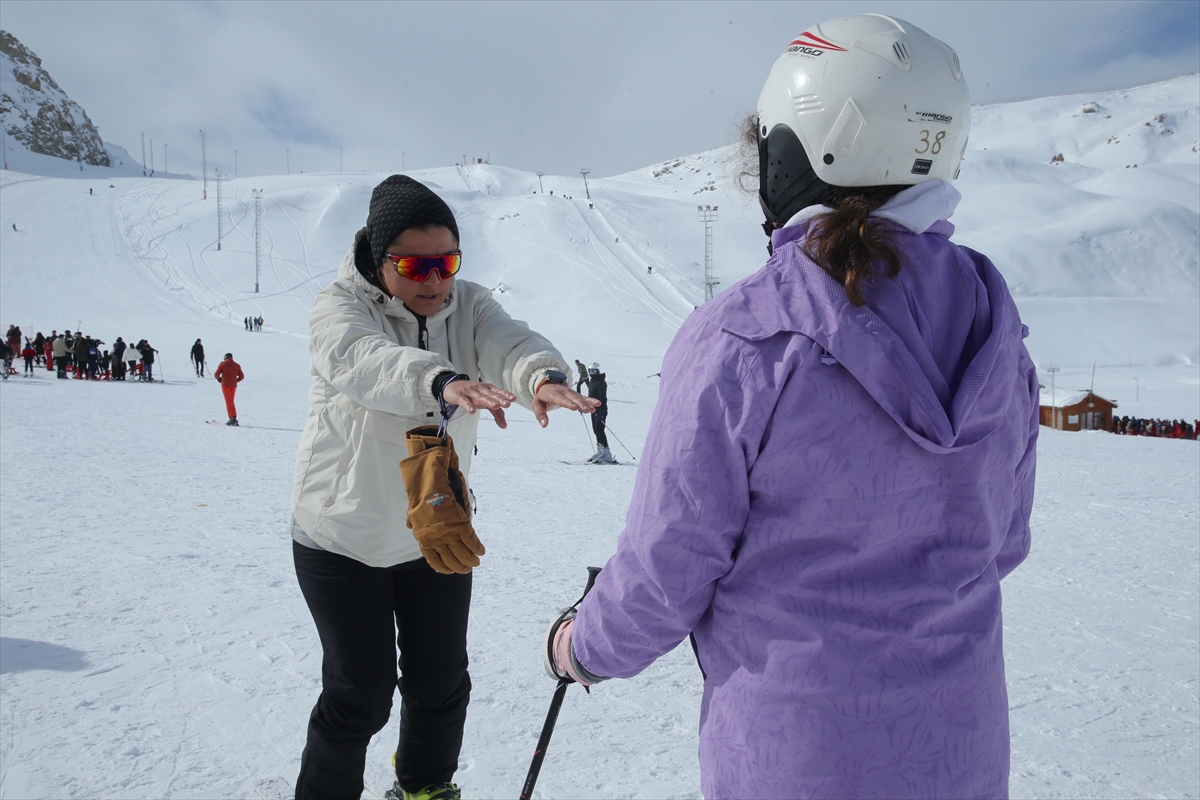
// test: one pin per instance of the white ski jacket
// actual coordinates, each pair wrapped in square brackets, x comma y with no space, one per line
[373,382]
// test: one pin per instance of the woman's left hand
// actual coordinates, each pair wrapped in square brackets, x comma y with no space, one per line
[557,395]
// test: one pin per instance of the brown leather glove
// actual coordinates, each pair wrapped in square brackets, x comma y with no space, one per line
[438,510]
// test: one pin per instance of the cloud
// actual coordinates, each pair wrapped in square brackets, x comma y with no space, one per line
[285,120]
[611,86]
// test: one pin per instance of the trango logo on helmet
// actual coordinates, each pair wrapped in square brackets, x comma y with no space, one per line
[808,45]
[929,116]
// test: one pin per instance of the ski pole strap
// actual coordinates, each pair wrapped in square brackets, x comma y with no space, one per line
[440,382]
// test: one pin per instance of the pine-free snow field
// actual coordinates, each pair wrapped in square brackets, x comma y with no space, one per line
[153,640]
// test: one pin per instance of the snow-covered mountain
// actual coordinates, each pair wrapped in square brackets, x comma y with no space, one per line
[36,113]
[1100,247]
[154,642]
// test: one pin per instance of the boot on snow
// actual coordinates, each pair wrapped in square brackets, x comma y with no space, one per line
[603,456]
[232,422]
[434,791]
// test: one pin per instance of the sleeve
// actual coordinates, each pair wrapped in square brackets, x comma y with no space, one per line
[350,350]
[690,503]
[509,354]
[1016,543]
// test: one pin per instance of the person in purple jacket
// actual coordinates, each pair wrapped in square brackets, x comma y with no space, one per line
[840,468]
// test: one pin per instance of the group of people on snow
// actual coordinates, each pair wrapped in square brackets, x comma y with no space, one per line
[253,323]
[1161,428]
[80,356]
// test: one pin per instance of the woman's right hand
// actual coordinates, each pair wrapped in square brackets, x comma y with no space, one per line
[474,395]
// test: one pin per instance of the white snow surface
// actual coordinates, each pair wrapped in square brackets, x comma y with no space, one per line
[153,641]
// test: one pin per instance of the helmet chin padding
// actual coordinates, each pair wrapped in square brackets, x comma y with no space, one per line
[786,180]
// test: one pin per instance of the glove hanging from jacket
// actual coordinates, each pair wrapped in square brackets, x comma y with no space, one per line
[439,512]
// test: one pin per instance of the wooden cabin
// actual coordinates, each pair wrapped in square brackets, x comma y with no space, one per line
[1077,411]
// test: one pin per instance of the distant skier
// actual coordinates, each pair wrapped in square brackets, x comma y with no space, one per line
[79,355]
[583,374]
[62,354]
[598,389]
[229,375]
[118,359]
[39,346]
[29,354]
[133,357]
[6,357]
[92,366]
[198,358]
[147,352]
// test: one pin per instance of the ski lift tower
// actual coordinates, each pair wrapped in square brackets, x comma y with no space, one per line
[220,222]
[708,215]
[258,194]
[204,163]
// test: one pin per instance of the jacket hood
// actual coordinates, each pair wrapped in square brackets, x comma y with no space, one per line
[941,412]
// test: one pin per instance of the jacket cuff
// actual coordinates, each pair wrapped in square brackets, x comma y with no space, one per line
[539,373]
[425,382]
[584,672]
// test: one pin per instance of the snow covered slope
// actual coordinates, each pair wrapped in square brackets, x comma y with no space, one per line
[154,643]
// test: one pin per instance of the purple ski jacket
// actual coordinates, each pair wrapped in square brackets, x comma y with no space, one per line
[828,500]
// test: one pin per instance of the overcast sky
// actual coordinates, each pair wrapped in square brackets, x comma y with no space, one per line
[550,86]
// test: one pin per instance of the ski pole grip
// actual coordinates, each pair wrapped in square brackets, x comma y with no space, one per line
[591,581]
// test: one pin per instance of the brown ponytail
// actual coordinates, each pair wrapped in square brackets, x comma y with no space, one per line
[848,244]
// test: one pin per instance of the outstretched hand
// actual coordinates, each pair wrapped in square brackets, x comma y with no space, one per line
[473,395]
[556,395]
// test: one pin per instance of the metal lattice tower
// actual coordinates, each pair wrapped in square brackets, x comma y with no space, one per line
[257,235]
[220,222]
[204,163]
[708,215]
[585,173]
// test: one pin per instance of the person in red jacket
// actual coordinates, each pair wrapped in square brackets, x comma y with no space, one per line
[229,373]
[29,354]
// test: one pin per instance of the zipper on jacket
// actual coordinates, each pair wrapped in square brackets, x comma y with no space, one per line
[422,333]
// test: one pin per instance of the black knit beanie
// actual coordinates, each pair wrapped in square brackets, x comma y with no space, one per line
[397,204]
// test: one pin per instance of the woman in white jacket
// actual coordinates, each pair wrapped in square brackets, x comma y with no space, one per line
[394,340]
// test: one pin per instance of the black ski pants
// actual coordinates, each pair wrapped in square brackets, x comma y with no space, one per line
[598,418]
[362,613]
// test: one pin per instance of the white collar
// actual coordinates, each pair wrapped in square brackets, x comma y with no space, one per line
[916,208]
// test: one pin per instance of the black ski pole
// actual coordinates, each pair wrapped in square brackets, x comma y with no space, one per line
[588,432]
[560,692]
[608,428]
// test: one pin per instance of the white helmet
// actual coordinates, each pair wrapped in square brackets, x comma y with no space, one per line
[595,367]
[860,101]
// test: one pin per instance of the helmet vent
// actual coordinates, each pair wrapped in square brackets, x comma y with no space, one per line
[955,67]
[807,103]
[901,52]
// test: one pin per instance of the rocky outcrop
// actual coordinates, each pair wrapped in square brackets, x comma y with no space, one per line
[35,112]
